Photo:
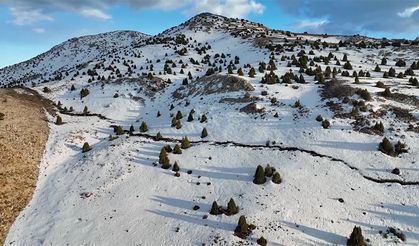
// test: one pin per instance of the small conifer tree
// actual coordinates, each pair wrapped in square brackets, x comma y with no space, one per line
[86,147]
[158,136]
[215,209]
[252,73]
[386,147]
[386,92]
[59,120]
[190,117]
[203,118]
[163,158]
[204,133]
[143,127]
[242,230]
[325,124]
[131,129]
[262,241]
[259,175]
[319,118]
[178,125]
[268,171]
[175,167]
[119,130]
[85,110]
[231,207]
[179,115]
[177,150]
[356,238]
[185,143]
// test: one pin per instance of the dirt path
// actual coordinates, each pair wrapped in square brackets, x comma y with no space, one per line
[23,134]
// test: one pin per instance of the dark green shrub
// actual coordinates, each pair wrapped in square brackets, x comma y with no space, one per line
[231,208]
[379,127]
[58,121]
[177,150]
[262,241]
[215,209]
[386,92]
[86,147]
[185,143]
[401,63]
[242,230]
[190,117]
[269,171]
[163,158]
[325,124]
[380,84]
[203,118]
[179,115]
[276,178]
[356,238]
[175,167]
[85,110]
[178,125]
[84,93]
[119,130]
[364,94]
[319,118]
[158,136]
[259,175]
[400,148]
[347,66]
[252,73]
[386,147]
[143,127]
[204,133]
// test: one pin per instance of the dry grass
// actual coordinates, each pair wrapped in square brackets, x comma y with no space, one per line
[23,134]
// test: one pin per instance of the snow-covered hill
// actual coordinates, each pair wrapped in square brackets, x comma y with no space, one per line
[264,97]
[67,57]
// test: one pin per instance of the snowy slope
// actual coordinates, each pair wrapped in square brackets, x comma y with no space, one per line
[135,202]
[65,57]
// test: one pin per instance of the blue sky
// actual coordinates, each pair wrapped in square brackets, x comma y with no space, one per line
[30,27]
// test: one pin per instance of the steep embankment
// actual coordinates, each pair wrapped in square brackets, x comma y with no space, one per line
[23,134]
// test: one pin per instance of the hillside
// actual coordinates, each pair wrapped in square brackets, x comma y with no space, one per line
[315,108]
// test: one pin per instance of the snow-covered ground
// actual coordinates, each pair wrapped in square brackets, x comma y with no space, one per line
[134,202]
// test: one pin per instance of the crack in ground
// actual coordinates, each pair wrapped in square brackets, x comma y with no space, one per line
[280,148]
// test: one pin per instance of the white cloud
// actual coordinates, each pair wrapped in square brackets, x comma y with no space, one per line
[408,12]
[230,8]
[27,12]
[307,24]
[95,13]
[27,17]
[39,30]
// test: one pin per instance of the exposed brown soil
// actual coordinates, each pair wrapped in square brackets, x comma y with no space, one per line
[213,84]
[23,135]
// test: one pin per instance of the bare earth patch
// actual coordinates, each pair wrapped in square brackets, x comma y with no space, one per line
[23,135]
